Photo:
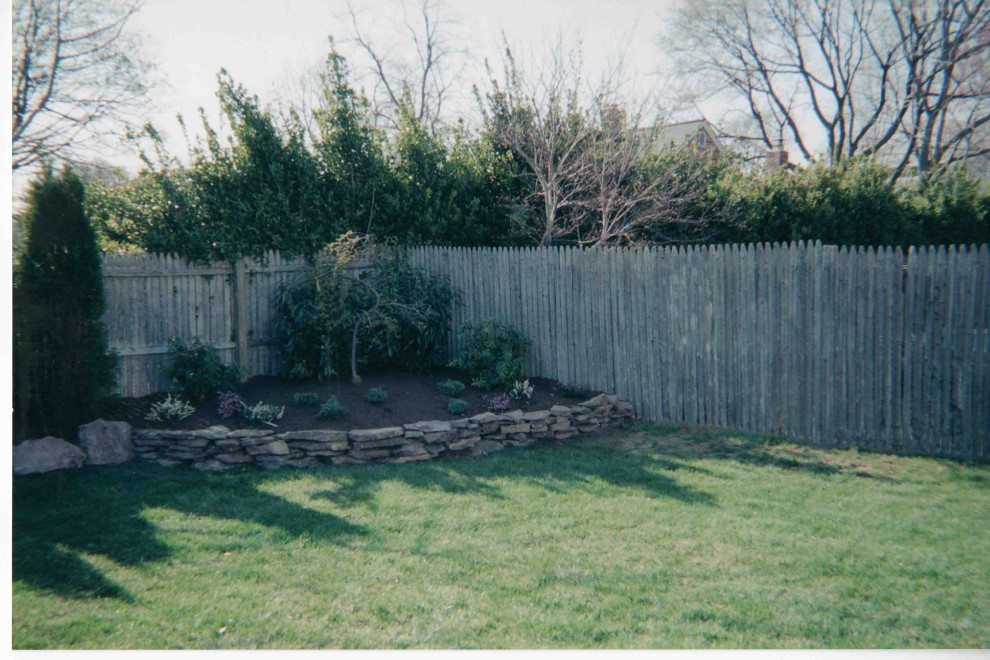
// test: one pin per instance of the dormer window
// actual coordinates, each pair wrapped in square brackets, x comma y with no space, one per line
[703,139]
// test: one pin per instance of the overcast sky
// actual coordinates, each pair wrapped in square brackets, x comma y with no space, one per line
[266,44]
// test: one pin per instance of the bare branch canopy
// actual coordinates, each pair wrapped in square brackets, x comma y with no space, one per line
[908,80]
[75,75]
[421,81]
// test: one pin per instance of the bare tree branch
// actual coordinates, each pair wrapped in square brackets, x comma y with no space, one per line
[424,84]
[590,154]
[536,115]
[75,75]
[864,77]
[947,46]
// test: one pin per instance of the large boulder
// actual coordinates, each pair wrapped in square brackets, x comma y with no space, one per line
[46,455]
[107,443]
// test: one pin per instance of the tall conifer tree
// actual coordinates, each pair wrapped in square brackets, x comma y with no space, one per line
[62,365]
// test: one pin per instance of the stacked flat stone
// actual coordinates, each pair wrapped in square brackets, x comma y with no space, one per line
[218,448]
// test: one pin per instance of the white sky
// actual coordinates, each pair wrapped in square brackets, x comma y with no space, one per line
[265,44]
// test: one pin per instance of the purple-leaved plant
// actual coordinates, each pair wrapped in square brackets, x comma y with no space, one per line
[498,403]
[230,404]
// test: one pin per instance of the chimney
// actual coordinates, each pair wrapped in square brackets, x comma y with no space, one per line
[776,158]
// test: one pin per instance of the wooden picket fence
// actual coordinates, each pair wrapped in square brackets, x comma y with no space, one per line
[151,298]
[878,349]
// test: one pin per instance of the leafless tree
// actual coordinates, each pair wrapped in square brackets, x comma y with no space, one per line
[870,76]
[946,47]
[537,116]
[587,149]
[299,96]
[423,82]
[632,193]
[76,74]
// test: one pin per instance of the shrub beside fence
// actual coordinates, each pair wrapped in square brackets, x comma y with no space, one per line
[853,347]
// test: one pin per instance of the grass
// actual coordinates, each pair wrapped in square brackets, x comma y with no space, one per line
[650,537]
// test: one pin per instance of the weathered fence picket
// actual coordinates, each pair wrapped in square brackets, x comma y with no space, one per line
[835,346]
[880,349]
[153,298]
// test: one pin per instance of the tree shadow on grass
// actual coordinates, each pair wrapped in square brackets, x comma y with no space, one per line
[59,517]
[358,485]
[972,472]
[45,566]
[555,467]
[687,443]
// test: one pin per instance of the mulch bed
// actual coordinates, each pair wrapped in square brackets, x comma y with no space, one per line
[411,398]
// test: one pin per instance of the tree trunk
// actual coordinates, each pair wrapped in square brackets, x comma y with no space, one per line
[354,340]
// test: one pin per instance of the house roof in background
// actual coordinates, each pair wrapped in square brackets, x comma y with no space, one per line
[680,132]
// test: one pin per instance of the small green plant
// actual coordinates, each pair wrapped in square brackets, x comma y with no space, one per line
[169,410]
[198,371]
[331,410]
[521,391]
[376,395]
[456,406]
[306,399]
[493,353]
[263,413]
[450,387]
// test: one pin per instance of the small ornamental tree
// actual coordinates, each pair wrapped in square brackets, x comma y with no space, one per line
[364,305]
[61,362]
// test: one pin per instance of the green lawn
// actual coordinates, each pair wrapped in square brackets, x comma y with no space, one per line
[646,538]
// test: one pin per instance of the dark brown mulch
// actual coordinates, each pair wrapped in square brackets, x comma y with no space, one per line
[411,398]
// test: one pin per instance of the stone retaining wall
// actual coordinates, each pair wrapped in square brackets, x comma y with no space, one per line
[218,448]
